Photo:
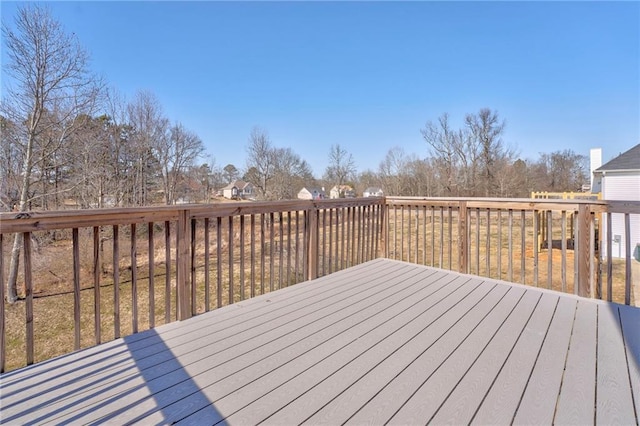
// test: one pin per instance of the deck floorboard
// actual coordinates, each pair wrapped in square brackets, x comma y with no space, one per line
[382,342]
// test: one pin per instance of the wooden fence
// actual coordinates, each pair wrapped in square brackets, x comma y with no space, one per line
[501,238]
[103,274]
[88,277]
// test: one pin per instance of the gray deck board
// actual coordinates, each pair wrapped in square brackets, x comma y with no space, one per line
[501,401]
[630,320]
[462,402]
[539,398]
[385,404]
[424,402]
[615,404]
[353,386]
[385,341]
[211,356]
[578,392]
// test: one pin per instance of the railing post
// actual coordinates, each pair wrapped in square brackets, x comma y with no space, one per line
[462,238]
[312,249]
[385,228]
[582,250]
[182,265]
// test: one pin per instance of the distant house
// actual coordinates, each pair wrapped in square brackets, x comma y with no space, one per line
[310,193]
[238,190]
[373,191]
[342,191]
[619,179]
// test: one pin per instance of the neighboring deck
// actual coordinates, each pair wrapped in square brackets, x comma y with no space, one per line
[385,341]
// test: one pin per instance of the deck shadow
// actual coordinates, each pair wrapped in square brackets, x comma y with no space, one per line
[162,390]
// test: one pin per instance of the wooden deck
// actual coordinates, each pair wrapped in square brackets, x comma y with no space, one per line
[382,342]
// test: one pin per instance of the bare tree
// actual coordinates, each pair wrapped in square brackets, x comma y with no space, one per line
[176,154]
[341,166]
[10,162]
[49,73]
[149,135]
[260,161]
[468,161]
[117,131]
[391,171]
[445,147]
[487,129]
[561,171]
[291,173]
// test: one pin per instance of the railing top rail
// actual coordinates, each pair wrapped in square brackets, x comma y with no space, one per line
[47,220]
[600,206]
[498,200]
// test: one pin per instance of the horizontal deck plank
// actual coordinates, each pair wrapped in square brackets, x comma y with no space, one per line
[578,392]
[385,341]
[501,401]
[615,401]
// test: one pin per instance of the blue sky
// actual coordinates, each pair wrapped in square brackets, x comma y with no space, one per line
[369,75]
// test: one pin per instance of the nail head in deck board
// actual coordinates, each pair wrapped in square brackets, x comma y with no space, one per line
[224,360]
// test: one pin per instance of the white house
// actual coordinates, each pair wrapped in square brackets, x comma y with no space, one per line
[342,191]
[238,189]
[619,179]
[309,193]
[373,192]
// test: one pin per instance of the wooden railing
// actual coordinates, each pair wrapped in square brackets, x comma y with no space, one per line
[550,243]
[103,274]
[88,277]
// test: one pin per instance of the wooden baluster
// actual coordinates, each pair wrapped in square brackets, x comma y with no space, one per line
[230,254]
[3,339]
[96,284]
[28,286]
[152,262]
[116,282]
[134,279]
[207,266]
[76,284]
[242,255]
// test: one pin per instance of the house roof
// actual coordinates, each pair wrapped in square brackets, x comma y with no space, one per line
[313,189]
[629,160]
[240,184]
[342,188]
[373,189]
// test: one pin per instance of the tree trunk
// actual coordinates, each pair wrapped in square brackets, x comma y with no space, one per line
[12,288]
[12,282]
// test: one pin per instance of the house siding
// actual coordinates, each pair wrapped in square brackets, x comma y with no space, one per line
[621,186]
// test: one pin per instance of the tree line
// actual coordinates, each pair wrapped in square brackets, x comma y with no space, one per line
[69,140]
